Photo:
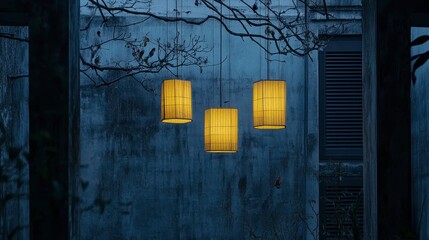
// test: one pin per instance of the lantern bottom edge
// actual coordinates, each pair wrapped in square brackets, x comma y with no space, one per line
[221,151]
[176,120]
[270,127]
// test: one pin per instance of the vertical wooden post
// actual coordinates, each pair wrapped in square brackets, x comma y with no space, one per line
[54,115]
[387,139]
[369,65]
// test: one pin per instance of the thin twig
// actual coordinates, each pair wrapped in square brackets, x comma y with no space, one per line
[15,77]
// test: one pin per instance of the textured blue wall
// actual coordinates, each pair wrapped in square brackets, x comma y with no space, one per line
[420,139]
[14,212]
[142,179]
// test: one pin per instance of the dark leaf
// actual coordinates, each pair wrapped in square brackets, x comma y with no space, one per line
[97,60]
[254,7]
[98,33]
[267,31]
[419,62]
[145,41]
[197,3]
[420,40]
[152,52]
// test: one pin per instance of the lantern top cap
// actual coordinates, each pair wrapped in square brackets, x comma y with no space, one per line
[175,79]
[270,127]
[271,80]
[221,108]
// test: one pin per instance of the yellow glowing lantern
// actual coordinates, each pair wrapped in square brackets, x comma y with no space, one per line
[221,130]
[269,104]
[176,101]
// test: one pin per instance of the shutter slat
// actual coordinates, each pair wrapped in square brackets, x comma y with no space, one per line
[342,101]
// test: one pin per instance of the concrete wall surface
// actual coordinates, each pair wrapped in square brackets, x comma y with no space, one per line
[14,204]
[142,179]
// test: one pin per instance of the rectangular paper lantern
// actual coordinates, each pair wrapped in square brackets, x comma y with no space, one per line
[221,130]
[269,104]
[176,101]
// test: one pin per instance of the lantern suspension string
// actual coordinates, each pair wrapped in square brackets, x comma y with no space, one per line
[229,65]
[177,42]
[268,32]
[181,33]
[260,49]
[213,65]
[167,40]
[221,57]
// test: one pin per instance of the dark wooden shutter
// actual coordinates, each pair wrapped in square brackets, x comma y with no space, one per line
[341,208]
[340,69]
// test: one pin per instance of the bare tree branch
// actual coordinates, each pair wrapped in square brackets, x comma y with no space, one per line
[280,26]
[284,28]
[13,37]
[147,57]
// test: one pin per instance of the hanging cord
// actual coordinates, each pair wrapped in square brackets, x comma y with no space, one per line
[221,57]
[166,42]
[229,65]
[267,42]
[177,42]
[260,49]
[181,30]
[213,65]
